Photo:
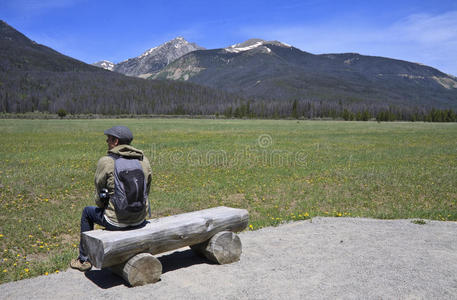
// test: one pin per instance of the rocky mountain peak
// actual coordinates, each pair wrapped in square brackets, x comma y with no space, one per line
[156,58]
[178,39]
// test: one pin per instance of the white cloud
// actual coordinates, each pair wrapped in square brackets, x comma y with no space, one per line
[423,38]
[429,29]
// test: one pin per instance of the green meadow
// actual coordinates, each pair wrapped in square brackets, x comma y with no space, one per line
[280,170]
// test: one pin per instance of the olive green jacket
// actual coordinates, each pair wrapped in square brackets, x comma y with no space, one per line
[104,178]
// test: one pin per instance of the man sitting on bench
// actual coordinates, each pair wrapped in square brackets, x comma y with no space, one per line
[122,182]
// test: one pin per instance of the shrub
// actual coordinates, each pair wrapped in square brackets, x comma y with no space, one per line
[61,113]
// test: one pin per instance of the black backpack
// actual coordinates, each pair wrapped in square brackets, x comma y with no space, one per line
[130,194]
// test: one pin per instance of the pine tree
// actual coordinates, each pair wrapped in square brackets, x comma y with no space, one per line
[294,110]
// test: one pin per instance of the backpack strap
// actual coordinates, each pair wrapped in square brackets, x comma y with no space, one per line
[114,156]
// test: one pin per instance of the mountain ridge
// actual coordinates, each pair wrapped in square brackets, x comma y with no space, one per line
[19,52]
[34,77]
[271,69]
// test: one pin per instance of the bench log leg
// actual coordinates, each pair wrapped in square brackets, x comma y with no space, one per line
[141,269]
[223,248]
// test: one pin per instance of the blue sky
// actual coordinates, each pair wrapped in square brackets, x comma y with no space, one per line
[91,30]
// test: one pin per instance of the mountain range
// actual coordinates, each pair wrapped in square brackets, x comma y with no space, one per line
[271,69]
[277,71]
[253,78]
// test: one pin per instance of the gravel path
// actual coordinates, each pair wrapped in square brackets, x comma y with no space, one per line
[321,258]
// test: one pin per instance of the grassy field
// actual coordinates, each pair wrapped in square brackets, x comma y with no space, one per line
[279,170]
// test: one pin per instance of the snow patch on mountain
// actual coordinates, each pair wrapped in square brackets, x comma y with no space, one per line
[105,64]
[236,48]
[253,44]
[150,51]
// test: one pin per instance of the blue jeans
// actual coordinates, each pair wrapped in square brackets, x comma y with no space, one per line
[94,215]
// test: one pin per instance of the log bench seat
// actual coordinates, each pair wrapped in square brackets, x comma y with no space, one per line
[129,253]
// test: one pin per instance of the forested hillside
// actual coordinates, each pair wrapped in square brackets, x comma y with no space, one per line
[34,77]
[105,93]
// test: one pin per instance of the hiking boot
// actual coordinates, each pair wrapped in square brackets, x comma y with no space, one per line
[79,265]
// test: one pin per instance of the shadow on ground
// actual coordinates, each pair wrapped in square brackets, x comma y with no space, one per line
[181,259]
[105,279]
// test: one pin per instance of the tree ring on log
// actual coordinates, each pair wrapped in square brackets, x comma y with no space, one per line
[141,269]
[223,248]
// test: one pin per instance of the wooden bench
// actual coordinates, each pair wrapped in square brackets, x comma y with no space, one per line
[129,253]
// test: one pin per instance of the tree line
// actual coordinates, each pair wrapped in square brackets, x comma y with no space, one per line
[114,94]
[309,109]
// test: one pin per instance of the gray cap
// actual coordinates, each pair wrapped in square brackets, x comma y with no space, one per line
[124,134]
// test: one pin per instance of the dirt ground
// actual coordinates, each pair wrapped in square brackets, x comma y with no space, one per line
[318,258]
